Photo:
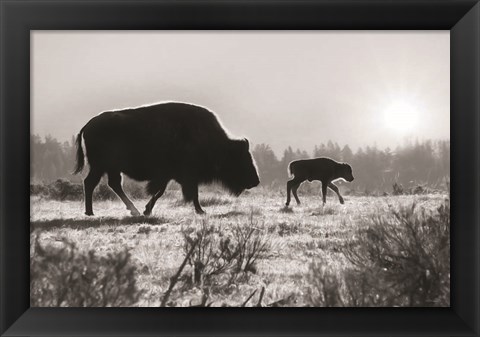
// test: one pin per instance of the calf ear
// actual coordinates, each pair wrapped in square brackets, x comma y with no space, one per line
[247,143]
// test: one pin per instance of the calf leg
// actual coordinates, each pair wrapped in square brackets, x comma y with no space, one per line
[289,188]
[324,191]
[89,184]
[153,200]
[115,183]
[292,185]
[294,191]
[334,188]
[190,193]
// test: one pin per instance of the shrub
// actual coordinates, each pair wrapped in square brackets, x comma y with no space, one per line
[409,254]
[401,260]
[38,189]
[348,288]
[324,287]
[397,189]
[285,229]
[420,189]
[217,259]
[416,189]
[63,189]
[144,230]
[64,277]
[218,253]
[250,245]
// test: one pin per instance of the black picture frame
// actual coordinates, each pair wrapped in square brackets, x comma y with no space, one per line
[19,17]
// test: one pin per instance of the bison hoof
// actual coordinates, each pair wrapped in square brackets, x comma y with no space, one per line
[89,213]
[341,201]
[147,212]
[200,211]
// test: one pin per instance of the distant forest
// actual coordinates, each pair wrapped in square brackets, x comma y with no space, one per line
[425,163]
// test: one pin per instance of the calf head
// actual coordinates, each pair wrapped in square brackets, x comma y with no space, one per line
[345,172]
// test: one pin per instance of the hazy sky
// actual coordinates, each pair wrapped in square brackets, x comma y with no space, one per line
[281,88]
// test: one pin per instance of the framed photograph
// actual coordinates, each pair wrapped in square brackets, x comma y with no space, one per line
[259,164]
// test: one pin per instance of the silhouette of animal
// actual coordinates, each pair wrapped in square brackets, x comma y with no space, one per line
[324,169]
[159,143]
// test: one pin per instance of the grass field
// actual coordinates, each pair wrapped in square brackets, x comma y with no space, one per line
[296,237]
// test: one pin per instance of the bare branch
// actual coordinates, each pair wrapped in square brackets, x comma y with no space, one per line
[248,299]
[174,279]
[260,298]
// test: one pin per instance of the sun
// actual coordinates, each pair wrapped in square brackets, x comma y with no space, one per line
[401,117]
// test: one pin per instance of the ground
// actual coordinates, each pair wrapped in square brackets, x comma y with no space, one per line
[297,235]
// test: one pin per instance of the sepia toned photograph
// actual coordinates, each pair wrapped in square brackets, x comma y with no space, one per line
[240,169]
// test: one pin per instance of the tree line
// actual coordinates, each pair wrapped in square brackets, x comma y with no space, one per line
[425,163]
[417,163]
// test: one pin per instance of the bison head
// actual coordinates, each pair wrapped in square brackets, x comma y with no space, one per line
[346,172]
[238,170]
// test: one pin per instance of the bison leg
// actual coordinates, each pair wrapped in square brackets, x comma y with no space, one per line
[334,188]
[115,183]
[190,193]
[89,184]
[292,186]
[153,200]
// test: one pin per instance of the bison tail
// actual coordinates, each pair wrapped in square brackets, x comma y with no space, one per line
[80,156]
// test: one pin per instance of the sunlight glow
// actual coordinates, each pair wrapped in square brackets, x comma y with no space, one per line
[401,117]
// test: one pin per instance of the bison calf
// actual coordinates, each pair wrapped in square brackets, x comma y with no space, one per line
[324,169]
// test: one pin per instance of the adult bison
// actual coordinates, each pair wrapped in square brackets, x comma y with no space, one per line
[324,169]
[159,143]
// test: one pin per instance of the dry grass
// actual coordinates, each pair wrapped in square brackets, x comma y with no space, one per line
[297,236]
